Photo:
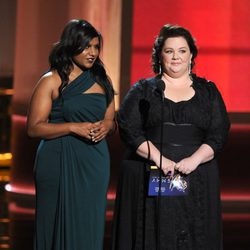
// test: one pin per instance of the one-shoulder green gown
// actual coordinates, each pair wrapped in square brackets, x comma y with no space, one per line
[71,176]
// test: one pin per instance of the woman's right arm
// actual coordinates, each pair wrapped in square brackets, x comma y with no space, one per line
[149,151]
[40,108]
[130,123]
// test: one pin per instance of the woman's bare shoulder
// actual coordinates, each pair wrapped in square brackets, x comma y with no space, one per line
[49,83]
[50,79]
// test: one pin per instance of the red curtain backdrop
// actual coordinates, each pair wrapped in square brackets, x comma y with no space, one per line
[222,31]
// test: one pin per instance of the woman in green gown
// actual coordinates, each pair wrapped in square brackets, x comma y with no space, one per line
[72,110]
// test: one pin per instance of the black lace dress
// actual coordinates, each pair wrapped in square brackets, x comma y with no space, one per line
[190,222]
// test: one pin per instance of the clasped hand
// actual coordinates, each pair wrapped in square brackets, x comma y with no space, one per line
[92,131]
[100,129]
[185,166]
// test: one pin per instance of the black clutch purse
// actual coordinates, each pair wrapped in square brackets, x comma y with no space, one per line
[177,185]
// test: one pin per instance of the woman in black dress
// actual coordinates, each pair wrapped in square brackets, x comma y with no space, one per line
[195,127]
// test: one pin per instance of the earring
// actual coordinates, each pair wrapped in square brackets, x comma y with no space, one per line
[190,71]
[160,71]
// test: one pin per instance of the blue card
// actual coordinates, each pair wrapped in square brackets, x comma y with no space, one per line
[170,186]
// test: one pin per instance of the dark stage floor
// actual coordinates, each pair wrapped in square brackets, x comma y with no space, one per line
[16,224]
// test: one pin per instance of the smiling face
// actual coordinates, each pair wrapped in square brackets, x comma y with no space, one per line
[175,57]
[87,57]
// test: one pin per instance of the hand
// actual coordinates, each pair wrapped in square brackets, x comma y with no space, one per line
[101,129]
[167,166]
[186,165]
[82,129]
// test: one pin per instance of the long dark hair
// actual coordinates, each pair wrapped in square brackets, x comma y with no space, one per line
[166,32]
[74,39]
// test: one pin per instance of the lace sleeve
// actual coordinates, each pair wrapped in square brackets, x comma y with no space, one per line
[130,118]
[219,124]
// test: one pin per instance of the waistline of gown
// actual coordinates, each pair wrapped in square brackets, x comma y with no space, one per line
[174,134]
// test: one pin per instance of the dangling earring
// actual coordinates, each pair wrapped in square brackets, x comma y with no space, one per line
[190,71]
[160,71]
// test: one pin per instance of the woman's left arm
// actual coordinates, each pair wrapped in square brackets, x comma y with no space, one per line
[203,154]
[102,128]
[216,134]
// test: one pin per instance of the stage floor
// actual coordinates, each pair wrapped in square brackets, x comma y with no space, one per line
[17,225]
